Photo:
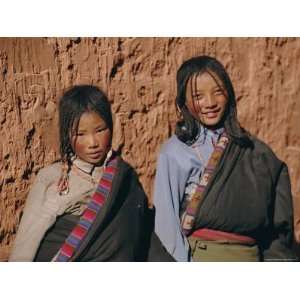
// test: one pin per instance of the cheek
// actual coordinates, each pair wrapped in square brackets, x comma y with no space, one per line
[78,144]
[222,102]
[105,139]
[194,107]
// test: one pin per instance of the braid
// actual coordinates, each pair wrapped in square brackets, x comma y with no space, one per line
[65,152]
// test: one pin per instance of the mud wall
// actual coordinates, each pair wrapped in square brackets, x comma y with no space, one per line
[138,75]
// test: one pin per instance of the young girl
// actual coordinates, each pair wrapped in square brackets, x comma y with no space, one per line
[220,193]
[89,206]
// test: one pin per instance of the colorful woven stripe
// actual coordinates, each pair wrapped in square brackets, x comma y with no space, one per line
[189,215]
[88,217]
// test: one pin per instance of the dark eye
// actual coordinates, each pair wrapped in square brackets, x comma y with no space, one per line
[101,129]
[198,97]
[219,92]
[79,133]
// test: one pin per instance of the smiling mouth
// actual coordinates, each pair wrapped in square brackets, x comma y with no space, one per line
[212,114]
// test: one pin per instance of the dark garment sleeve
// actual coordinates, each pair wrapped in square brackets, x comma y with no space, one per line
[150,247]
[157,252]
[280,248]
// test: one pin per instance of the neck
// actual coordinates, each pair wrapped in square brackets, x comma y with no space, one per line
[89,167]
[215,129]
[84,166]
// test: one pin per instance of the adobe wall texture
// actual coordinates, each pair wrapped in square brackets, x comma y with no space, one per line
[138,75]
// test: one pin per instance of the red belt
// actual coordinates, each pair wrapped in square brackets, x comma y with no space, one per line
[216,235]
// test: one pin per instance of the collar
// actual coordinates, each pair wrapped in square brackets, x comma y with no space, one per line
[84,166]
[206,134]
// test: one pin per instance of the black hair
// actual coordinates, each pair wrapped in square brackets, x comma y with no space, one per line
[74,102]
[188,128]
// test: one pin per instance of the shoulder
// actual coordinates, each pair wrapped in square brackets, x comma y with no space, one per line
[129,178]
[49,173]
[125,170]
[261,148]
[123,165]
[43,183]
[264,153]
[173,145]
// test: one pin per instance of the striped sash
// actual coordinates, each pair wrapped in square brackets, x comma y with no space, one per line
[94,206]
[218,235]
[189,215]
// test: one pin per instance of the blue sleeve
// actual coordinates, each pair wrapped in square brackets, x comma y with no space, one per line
[169,188]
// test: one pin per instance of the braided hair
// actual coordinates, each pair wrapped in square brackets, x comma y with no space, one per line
[74,102]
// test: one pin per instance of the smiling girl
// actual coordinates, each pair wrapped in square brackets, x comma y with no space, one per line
[220,193]
[89,206]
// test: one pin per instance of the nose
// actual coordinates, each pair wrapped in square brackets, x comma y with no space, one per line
[210,101]
[92,141]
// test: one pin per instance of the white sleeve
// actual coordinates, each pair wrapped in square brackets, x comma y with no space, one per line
[36,220]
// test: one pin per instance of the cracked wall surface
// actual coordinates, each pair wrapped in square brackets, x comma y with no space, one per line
[138,75]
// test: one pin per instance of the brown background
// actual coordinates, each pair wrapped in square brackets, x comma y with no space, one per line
[138,75]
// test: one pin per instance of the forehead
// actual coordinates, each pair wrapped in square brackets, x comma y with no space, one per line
[204,81]
[90,120]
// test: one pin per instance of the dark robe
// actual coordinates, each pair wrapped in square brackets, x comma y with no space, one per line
[122,230]
[250,194]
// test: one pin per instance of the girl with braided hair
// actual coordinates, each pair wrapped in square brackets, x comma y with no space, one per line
[89,206]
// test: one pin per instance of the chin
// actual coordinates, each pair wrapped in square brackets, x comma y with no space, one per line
[211,122]
[95,161]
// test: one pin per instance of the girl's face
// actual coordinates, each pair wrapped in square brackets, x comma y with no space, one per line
[206,99]
[92,140]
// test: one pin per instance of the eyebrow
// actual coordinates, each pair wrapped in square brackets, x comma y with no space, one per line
[196,92]
[100,126]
